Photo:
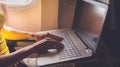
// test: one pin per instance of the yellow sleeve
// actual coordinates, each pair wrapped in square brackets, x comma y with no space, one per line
[3,46]
[14,35]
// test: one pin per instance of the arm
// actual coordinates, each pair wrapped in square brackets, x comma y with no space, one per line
[39,47]
[14,34]
[12,58]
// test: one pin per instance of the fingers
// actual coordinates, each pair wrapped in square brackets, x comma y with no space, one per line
[40,37]
[50,44]
[54,37]
[54,43]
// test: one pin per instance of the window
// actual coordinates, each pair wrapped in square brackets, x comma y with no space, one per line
[18,3]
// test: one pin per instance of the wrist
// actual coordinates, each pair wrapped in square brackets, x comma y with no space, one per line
[32,35]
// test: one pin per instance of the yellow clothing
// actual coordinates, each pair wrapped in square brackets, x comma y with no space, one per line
[14,35]
[3,47]
[10,35]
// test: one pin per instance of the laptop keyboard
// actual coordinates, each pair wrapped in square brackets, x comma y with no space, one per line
[70,50]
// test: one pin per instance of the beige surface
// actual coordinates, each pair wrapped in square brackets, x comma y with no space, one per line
[40,15]
[49,14]
[25,18]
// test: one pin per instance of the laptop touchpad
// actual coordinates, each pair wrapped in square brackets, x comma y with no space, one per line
[52,50]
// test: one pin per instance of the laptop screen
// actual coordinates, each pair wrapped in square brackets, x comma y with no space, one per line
[90,16]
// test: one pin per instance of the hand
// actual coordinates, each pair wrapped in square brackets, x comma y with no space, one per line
[40,37]
[47,43]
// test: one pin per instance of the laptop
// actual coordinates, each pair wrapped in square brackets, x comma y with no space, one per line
[82,40]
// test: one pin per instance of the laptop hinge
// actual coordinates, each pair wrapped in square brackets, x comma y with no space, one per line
[88,50]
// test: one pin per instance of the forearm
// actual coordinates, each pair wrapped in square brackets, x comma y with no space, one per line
[6,60]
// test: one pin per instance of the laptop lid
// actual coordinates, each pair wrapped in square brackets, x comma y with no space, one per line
[89,20]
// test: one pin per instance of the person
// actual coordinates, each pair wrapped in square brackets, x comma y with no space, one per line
[44,42]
